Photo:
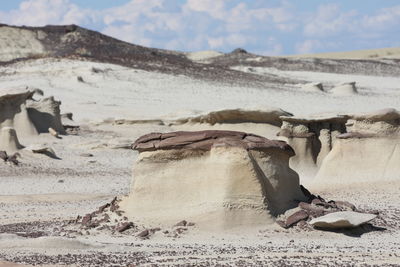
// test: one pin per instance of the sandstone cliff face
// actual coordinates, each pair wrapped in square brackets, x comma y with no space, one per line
[220,179]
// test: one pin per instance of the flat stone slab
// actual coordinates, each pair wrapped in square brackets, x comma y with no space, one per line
[342,219]
[205,140]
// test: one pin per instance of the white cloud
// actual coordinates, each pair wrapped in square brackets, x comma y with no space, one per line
[43,12]
[220,24]
[215,8]
[129,34]
[329,20]
[385,19]
[308,46]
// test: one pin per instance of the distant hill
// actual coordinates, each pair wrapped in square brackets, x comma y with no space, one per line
[74,42]
[380,53]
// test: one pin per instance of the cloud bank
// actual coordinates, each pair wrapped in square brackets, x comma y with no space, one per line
[264,27]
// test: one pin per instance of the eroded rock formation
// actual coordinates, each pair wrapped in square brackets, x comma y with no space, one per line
[22,117]
[312,138]
[220,179]
[265,122]
[368,152]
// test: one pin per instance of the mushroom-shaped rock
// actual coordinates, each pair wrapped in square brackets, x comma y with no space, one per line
[342,219]
[27,116]
[13,110]
[345,89]
[218,179]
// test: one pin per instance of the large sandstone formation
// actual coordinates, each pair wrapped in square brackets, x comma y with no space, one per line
[368,152]
[219,179]
[22,117]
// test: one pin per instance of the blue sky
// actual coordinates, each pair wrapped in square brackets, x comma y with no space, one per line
[268,27]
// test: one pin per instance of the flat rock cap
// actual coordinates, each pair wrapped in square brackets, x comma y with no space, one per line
[205,140]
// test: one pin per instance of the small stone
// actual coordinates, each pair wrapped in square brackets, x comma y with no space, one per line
[86,155]
[181,223]
[86,219]
[124,226]
[144,233]
[296,217]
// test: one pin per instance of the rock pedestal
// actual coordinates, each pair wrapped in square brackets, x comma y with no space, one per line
[218,179]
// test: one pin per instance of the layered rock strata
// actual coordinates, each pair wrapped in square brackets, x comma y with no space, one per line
[219,179]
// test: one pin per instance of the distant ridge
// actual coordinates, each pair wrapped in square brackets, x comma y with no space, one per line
[393,52]
[20,43]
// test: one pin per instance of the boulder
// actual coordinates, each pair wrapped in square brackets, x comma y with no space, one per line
[342,219]
[218,179]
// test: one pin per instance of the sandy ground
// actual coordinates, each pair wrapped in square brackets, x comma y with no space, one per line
[41,194]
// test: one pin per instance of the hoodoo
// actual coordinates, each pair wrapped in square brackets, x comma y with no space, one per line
[368,153]
[219,179]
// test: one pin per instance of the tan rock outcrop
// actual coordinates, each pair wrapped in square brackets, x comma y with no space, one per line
[270,116]
[24,117]
[218,179]
[369,152]
[264,122]
[8,140]
[345,89]
[312,138]
[313,87]
[13,110]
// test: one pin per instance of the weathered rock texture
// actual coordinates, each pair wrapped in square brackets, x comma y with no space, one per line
[345,89]
[45,114]
[8,140]
[312,139]
[25,116]
[368,152]
[313,87]
[13,111]
[264,122]
[269,116]
[219,179]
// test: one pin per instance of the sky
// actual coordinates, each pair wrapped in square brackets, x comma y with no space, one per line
[266,27]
